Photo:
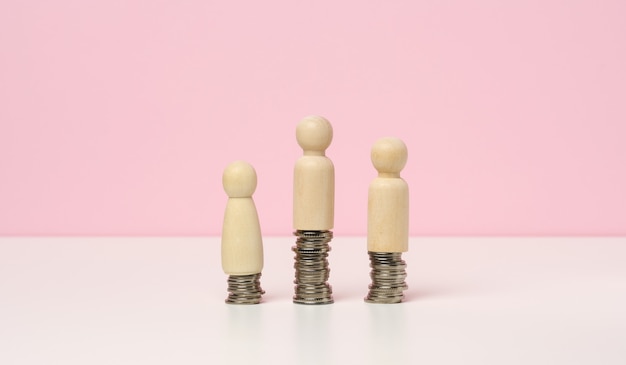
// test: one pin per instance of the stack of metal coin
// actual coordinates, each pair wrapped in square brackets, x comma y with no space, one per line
[388,275]
[311,264]
[244,289]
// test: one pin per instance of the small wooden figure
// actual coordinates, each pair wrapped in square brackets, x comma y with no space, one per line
[242,244]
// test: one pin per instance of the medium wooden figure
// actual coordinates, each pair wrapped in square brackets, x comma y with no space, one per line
[388,222]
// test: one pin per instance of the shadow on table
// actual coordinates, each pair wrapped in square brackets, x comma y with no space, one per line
[313,333]
[387,332]
[420,293]
[243,338]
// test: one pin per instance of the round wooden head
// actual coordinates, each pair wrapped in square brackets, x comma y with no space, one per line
[239,180]
[314,134]
[389,155]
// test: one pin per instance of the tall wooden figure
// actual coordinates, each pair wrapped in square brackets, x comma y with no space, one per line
[313,211]
[388,222]
[242,244]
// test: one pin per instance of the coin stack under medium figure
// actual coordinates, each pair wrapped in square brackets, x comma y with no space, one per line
[313,220]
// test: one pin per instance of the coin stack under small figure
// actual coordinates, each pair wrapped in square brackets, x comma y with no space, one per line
[244,289]
[311,264]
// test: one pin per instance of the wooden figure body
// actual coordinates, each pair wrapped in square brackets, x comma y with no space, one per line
[314,177]
[242,244]
[388,199]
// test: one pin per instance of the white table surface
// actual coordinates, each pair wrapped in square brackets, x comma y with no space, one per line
[161,301]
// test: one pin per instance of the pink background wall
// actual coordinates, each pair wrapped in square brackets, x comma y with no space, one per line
[118,117]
